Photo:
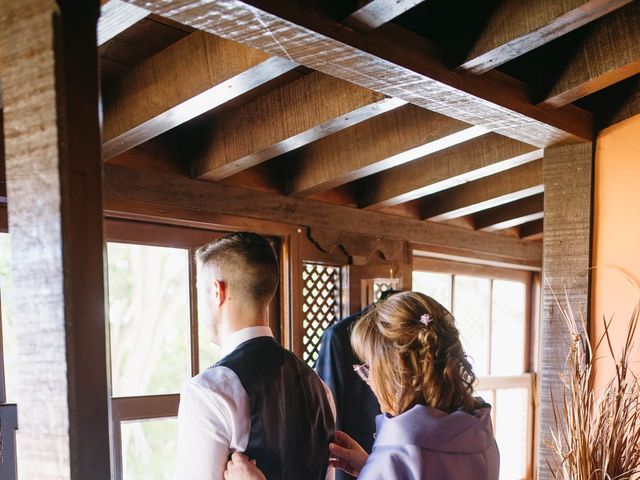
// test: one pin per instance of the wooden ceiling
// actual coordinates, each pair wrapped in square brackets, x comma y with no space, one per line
[436,110]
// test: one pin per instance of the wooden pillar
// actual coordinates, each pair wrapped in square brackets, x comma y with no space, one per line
[48,67]
[568,183]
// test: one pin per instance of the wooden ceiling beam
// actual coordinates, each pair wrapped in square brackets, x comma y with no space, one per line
[383,142]
[517,27]
[167,195]
[609,54]
[488,192]
[373,13]
[186,79]
[511,214]
[532,230]
[287,118]
[115,17]
[471,160]
[389,60]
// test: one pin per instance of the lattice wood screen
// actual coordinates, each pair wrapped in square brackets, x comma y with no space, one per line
[321,307]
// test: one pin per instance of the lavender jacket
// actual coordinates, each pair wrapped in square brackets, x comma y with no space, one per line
[424,443]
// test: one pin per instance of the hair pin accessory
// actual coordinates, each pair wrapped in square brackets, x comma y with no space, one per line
[426,318]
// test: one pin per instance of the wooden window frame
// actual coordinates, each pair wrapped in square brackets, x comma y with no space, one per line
[528,379]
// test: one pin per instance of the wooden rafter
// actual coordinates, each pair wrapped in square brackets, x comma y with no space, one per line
[380,143]
[374,13]
[284,119]
[485,193]
[389,60]
[610,53]
[115,17]
[518,27]
[165,195]
[533,230]
[510,215]
[471,160]
[181,82]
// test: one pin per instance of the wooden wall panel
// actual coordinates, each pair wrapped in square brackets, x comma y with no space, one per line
[568,178]
[49,73]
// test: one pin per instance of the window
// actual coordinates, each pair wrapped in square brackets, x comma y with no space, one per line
[156,343]
[492,311]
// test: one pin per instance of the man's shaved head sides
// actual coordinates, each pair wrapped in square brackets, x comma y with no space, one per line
[246,262]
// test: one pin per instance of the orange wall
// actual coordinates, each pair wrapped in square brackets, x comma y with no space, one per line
[616,237]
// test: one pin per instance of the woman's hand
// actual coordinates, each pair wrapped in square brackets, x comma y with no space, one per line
[241,468]
[347,454]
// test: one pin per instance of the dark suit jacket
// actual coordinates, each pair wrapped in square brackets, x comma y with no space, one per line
[356,405]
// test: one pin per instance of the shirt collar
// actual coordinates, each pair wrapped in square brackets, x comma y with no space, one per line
[240,336]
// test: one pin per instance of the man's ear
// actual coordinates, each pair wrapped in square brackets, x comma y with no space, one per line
[219,292]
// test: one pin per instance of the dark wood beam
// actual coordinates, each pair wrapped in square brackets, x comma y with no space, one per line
[165,195]
[567,243]
[287,118]
[517,27]
[49,59]
[511,214]
[488,192]
[190,77]
[389,60]
[532,230]
[373,13]
[383,142]
[609,54]
[115,17]
[628,107]
[471,160]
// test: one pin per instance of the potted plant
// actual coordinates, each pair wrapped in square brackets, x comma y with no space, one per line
[596,435]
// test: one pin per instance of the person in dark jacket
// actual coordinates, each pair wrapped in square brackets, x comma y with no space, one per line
[356,405]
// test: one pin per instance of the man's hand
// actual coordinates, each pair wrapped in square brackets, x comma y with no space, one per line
[347,454]
[241,468]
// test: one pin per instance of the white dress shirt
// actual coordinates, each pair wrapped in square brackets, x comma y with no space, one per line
[214,419]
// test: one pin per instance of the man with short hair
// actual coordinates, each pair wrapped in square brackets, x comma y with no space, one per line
[259,399]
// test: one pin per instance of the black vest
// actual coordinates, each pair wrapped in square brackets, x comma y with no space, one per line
[291,420]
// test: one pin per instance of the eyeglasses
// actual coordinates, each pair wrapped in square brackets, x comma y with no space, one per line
[362,371]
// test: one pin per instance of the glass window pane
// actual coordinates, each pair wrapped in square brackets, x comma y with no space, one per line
[471,311]
[149,448]
[8,334]
[149,319]
[436,285]
[507,329]
[511,431]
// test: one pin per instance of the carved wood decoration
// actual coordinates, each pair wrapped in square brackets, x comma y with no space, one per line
[568,177]
[48,65]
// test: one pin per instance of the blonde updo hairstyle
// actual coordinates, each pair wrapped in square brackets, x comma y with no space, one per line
[414,353]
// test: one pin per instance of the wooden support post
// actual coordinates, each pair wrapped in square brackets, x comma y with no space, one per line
[568,180]
[49,71]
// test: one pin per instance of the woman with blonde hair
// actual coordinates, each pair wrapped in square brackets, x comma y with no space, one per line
[432,426]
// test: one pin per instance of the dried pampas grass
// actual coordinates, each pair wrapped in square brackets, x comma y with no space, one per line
[596,434]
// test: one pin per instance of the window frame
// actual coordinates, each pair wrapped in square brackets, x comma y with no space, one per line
[528,378]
